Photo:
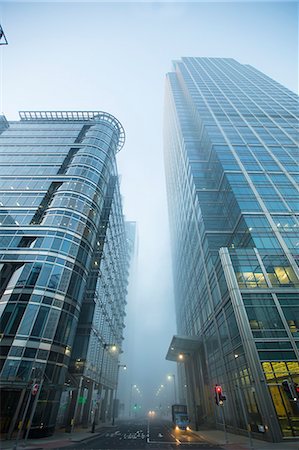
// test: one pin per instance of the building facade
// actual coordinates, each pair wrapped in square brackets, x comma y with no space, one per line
[64,268]
[231,161]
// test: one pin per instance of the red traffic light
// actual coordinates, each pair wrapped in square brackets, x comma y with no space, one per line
[34,389]
[219,397]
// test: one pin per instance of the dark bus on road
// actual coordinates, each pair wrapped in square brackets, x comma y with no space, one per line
[180,418]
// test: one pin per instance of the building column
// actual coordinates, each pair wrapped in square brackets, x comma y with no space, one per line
[110,404]
[80,404]
[16,415]
[73,406]
[87,405]
[263,396]
[191,393]
[103,406]
[194,378]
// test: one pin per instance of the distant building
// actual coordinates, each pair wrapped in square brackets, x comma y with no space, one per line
[132,237]
[64,267]
[231,158]
[125,379]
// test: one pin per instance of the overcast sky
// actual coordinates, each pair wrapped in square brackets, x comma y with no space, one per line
[113,57]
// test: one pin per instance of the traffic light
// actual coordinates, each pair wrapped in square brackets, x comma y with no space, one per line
[219,397]
[291,389]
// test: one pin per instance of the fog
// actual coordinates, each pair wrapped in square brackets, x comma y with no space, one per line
[114,57]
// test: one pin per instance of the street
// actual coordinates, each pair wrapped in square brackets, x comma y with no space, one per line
[142,434]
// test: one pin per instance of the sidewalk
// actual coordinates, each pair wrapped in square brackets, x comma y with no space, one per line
[59,439]
[239,442]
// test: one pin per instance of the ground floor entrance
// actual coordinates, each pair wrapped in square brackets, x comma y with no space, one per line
[279,375]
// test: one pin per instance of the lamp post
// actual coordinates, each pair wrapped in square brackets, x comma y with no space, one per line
[174,386]
[96,412]
[163,399]
[133,386]
[115,392]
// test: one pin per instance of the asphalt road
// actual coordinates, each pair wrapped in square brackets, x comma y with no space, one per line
[148,435]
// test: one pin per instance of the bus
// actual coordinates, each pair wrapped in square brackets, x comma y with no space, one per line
[180,418]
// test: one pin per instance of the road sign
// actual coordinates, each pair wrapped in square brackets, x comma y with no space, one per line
[34,389]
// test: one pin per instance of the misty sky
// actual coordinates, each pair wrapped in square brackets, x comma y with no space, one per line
[113,57]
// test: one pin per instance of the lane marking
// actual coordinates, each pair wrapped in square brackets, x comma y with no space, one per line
[174,437]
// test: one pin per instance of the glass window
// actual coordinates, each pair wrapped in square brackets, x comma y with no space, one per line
[34,274]
[24,370]
[6,316]
[262,318]
[51,324]
[15,319]
[40,321]
[10,368]
[28,319]
[44,275]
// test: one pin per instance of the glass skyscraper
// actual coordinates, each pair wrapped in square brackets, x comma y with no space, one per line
[64,268]
[231,161]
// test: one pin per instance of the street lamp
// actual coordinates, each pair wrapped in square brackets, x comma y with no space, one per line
[113,348]
[160,389]
[133,386]
[115,392]
[169,377]
[162,399]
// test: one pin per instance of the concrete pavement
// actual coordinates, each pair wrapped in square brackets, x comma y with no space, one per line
[59,439]
[239,442]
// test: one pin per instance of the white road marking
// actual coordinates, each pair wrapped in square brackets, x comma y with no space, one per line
[177,440]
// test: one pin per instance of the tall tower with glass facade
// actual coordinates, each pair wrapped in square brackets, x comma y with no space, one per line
[63,268]
[231,161]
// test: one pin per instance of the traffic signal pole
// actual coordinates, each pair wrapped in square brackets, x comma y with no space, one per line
[224,424]
[220,399]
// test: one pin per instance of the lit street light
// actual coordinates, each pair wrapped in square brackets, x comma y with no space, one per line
[169,377]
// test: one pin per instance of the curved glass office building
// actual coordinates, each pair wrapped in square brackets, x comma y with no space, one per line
[63,267]
[231,157]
